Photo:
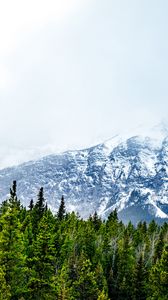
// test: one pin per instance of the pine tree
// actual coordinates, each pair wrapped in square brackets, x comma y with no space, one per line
[13,191]
[140,280]
[63,284]
[159,246]
[96,221]
[113,216]
[61,211]
[47,257]
[41,282]
[12,252]
[100,278]
[31,205]
[125,268]
[85,287]
[159,278]
[152,227]
[13,200]
[38,210]
[40,204]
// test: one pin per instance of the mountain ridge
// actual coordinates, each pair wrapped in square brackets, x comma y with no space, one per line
[127,173]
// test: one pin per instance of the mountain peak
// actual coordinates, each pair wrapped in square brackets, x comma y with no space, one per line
[154,136]
[129,172]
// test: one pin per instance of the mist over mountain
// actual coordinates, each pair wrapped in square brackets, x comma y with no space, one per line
[128,173]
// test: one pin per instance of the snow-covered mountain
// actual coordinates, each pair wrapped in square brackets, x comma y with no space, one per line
[129,173]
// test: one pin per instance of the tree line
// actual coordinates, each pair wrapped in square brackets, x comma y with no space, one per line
[47,257]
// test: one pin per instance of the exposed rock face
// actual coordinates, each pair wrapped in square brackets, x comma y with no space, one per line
[127,173]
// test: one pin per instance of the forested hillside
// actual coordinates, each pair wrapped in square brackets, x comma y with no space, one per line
[49,257]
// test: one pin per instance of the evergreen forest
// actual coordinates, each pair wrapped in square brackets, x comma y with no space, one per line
[46,256]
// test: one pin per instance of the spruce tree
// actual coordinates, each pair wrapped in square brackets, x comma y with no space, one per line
[31,205]
[47,257]
[13,252]
[159,246]
[96,221]
[13,195]
[85,287]
[140,278]
[113,216]
[125,268]
[13,191]
[40,204]
[38,210]
[61,210]
[159,278]
[41,282]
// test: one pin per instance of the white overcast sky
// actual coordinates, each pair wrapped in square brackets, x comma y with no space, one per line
[74,72]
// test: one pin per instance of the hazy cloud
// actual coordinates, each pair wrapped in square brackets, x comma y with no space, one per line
[74,72]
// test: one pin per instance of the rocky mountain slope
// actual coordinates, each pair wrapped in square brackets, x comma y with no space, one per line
[129,173]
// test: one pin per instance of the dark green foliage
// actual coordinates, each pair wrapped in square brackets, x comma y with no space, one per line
[113,216]
[31,205]
[140,280]
[96,221]
[159,246]
[13,190]
[13,251]
[126,262]
[13,196]
[4,287]
[63,257]
[85,286]
[61,211]
[40,204]
[37,210]
[159,277]
[43,260]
